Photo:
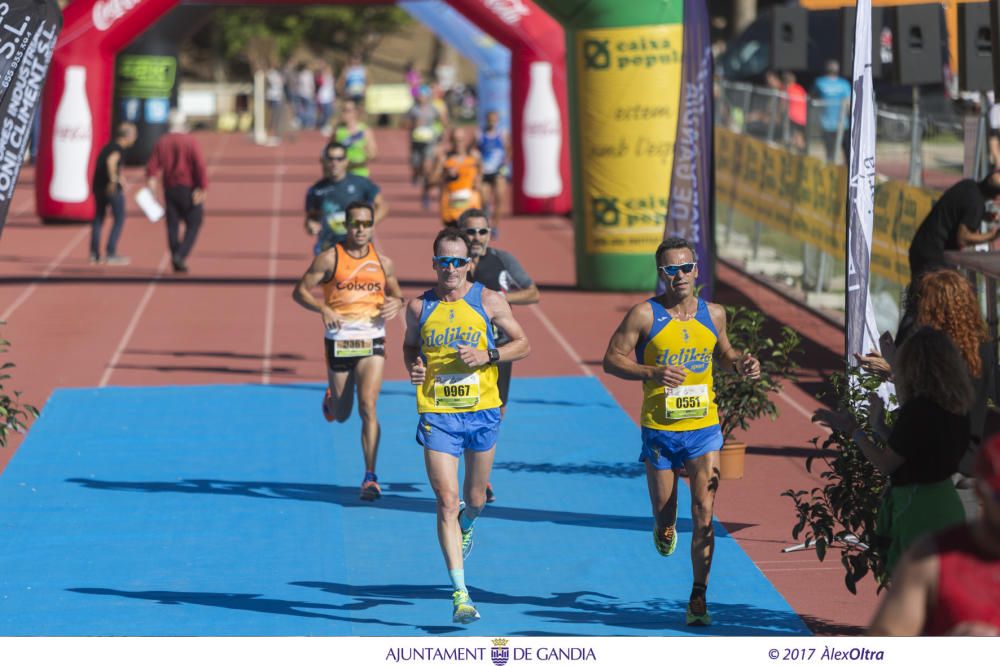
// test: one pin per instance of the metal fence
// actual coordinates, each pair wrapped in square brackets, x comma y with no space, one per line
[817,276]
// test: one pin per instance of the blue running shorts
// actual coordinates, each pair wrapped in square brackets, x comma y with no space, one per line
[670,449]
[462,431]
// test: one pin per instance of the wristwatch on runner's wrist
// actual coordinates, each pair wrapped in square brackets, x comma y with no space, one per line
[494,354]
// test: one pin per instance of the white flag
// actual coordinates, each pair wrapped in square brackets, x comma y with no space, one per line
[862,331]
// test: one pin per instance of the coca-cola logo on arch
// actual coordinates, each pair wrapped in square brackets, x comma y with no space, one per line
[106,12]
[509,11]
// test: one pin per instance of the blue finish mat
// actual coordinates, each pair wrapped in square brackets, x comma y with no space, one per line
[234,510]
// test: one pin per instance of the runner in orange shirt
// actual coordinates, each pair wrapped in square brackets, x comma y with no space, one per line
[459,172]
[360,292]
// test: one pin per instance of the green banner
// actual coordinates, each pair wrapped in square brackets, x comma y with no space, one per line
[146,76]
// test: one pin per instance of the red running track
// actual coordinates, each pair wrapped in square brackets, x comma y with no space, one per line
[232,320]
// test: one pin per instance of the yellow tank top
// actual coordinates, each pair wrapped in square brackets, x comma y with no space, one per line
[459,194]
[688,343]
[356,293]
[451,386]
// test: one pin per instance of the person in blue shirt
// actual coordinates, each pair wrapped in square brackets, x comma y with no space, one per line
[494,146]
[328,198]
[833,95]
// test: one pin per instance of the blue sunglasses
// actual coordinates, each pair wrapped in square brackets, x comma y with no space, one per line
[674,269]
[454,262]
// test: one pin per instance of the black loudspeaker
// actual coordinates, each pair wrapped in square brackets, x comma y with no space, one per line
[975,48]
[916,45]
[847,42]
[788,38]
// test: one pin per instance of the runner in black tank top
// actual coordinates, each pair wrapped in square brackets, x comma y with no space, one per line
[499,271]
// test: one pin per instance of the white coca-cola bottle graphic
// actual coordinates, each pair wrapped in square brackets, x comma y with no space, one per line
[542,135]
[71,141]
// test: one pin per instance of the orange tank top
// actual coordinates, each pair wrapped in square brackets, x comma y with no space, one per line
[356,293]
[460,194]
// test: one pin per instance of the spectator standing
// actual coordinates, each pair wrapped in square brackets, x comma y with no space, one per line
[798,104]
[928,438]
[305,97]
[177,162]
[413,79]
[326,95]
[274,93]
[946,301]
[833,94]
[109,192]
[949,583]
[953,223]
[354,80]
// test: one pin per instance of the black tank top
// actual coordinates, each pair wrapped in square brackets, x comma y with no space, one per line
[488,270]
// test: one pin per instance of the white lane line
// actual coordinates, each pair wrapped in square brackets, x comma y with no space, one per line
[272,271]
[134,322]
[797,406]
[563,342]
[53,265]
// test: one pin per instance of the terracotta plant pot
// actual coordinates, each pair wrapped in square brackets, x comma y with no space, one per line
[731,459]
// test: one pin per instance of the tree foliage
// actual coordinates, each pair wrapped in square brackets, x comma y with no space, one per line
[14,415]
[843,511]
[741,401]
[270,35]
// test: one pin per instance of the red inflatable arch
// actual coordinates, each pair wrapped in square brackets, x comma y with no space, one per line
[76,111]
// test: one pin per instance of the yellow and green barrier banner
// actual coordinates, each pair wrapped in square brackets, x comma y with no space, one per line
[804,198]
[628,87]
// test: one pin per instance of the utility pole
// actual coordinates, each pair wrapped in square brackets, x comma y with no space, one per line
[744,12]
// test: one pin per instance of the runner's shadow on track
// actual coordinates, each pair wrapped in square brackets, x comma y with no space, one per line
[669,615]
[603,470]
[274,370]
[590,607]
[347,496]
[260,604]
[216,354]
[565,403]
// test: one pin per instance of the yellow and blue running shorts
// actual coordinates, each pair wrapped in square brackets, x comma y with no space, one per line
[670,449]
[454,433]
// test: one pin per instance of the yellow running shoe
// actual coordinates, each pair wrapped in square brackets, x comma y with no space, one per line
[665,542]
[465,612]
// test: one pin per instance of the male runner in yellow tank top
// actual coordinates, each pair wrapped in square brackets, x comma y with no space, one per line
[451,355]
[360,292]
[668,342]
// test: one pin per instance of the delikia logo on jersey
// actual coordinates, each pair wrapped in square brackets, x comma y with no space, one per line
[692,358]
[452,337]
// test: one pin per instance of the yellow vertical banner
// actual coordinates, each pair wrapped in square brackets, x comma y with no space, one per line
[628,90]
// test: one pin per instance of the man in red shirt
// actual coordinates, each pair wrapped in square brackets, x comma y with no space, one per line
[949,584]
[177,161]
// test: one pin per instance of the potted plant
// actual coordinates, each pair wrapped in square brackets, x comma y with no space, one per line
[741,400]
